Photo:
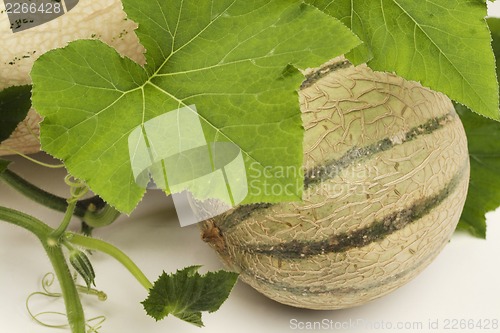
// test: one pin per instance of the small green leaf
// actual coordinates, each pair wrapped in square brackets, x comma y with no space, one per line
[186,294]
[4,165]
[15,102]
[235,60]
[443,44]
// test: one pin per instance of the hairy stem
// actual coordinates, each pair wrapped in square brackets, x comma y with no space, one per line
[74,309]
[37,227]
[56,235]
[33,192]
[113,251]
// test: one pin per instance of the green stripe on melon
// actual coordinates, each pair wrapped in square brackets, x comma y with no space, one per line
[387,171]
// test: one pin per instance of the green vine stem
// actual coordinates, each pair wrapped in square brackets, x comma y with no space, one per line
[111,250]
[74,309]
[56,234]
[35,193]
[52,241]
[93,211]
[77,189]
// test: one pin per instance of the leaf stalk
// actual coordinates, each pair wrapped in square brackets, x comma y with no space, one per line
[113,251]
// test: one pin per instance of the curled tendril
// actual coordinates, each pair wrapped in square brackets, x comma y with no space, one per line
[97,326]
[93,325]
[78,188]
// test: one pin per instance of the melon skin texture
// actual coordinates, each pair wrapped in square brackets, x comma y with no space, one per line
[104,20]
[386,176]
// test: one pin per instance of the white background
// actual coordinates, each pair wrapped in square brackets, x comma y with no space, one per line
[462,283]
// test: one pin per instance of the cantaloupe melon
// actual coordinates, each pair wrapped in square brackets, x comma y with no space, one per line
[386,175]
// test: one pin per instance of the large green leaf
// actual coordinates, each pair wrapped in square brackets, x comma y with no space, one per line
[186,294]
[443,44]
[235,60]
[483,136]
[15,102]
